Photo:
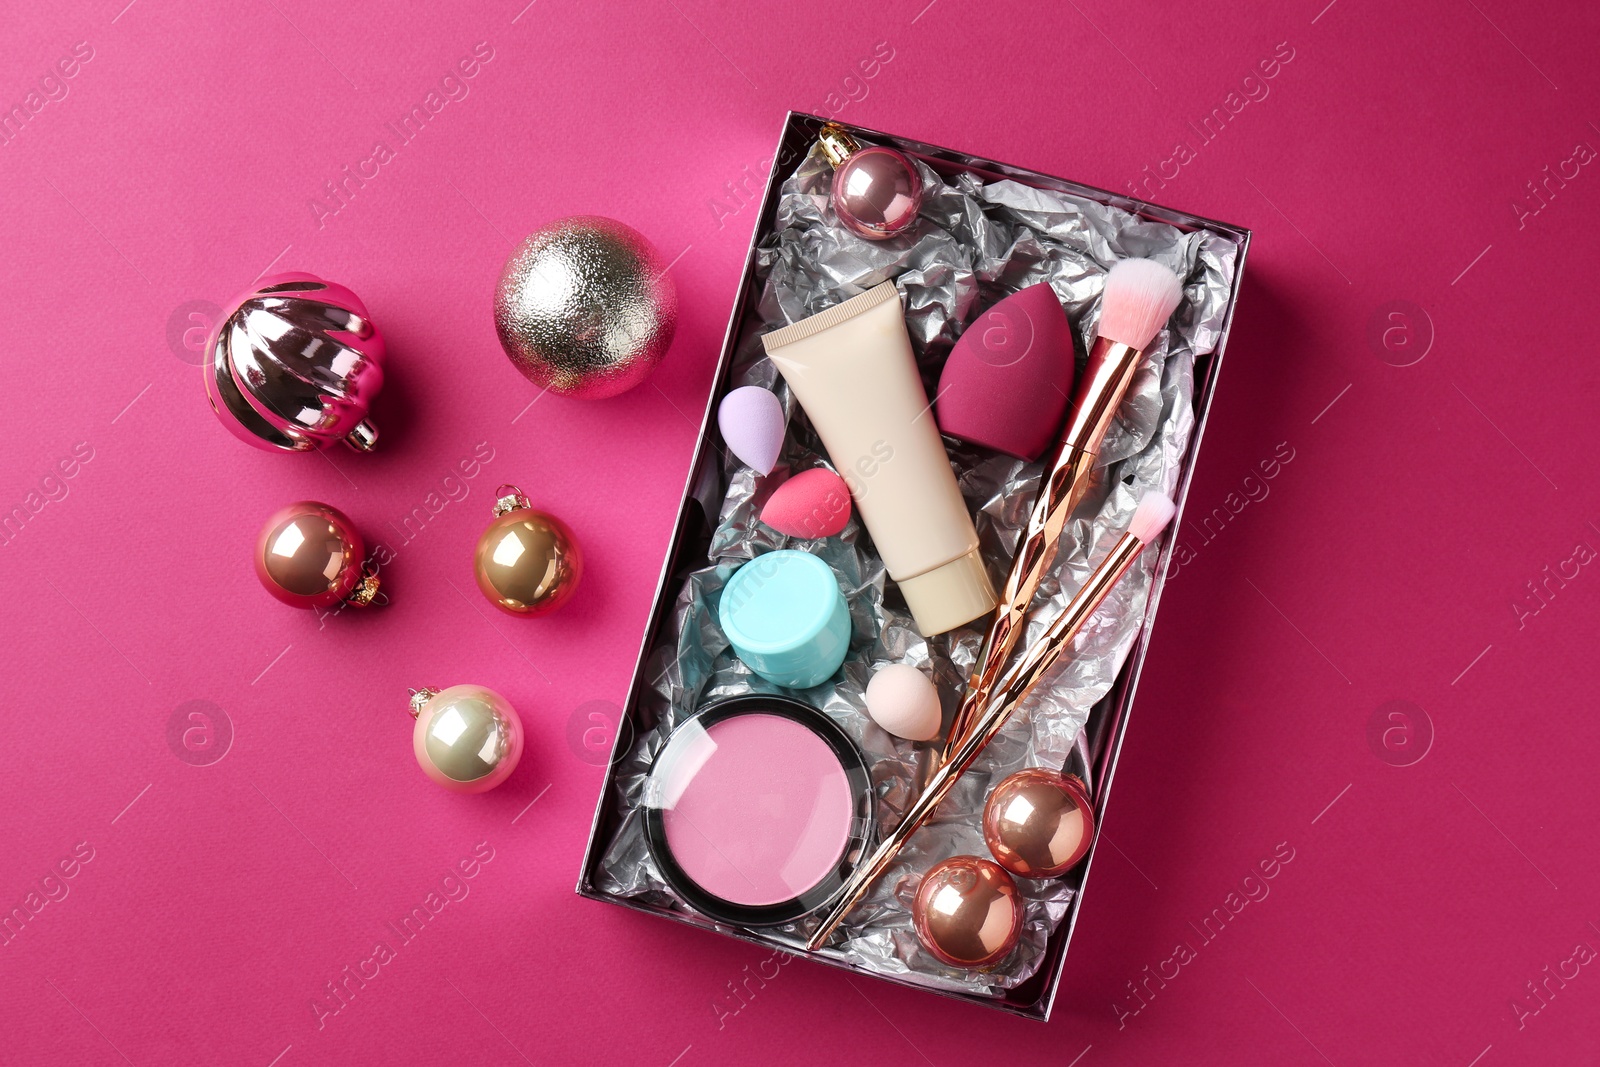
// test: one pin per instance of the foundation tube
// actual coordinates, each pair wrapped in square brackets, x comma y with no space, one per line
[852,369]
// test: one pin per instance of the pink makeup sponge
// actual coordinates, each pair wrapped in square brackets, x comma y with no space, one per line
[752,424]
[812,504]
[1006,383]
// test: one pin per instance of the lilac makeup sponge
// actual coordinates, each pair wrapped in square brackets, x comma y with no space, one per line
[814,503]
[1006,383]
[752,425]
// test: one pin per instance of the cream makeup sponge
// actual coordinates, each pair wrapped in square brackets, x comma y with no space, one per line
[904,702]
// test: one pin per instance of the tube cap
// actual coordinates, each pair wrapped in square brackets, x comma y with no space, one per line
[947,596]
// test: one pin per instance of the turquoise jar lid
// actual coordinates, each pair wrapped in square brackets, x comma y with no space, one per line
[786,618]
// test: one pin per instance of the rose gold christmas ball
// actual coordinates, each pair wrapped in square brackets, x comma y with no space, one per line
[877,191]
[968,912]
[527,562]
[309,555]
[1038,823]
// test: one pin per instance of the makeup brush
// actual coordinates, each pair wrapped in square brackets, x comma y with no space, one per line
[1149,519]
[1139,296]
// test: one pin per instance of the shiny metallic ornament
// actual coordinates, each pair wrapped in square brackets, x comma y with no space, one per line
[467,738]
[968,912]
[309,555]
[294,366]
[527,562]
[1038,823]
[877,191]
[585,307]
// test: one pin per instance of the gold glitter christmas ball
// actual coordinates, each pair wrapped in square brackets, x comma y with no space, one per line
[585,307]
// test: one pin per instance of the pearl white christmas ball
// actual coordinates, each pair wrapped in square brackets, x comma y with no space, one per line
[468,738]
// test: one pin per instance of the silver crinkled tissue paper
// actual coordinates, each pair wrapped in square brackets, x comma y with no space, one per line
[975,242]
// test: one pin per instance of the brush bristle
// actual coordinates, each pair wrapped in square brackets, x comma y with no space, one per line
[1151,516]
[1140,296]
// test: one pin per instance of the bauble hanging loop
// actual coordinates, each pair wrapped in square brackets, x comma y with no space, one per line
[294,365]
[507,498]
[467,738]
[310,555]
[527,562]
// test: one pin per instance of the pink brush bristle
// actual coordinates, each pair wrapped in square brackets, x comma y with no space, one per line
[1140,296]
[1151,516]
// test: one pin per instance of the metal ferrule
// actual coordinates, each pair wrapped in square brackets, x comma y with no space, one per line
[1105,382]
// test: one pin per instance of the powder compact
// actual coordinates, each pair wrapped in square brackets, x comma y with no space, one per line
[758,809]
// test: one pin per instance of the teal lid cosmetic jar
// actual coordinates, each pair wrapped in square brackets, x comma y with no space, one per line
[786,618]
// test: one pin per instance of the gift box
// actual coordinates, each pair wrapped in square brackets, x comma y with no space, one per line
[987,229]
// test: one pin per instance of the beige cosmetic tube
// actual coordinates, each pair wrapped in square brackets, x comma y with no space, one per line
[852,369]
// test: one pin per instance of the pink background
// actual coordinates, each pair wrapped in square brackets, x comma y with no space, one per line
[1383,562]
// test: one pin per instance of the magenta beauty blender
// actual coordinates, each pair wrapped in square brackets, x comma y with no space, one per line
[1006,383]
[752,424]
[812,504]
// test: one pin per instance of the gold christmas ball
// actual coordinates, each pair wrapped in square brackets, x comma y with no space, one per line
[968,912]
[527,561]
[1038,823]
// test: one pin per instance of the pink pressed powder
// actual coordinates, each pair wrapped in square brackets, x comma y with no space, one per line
[757,809]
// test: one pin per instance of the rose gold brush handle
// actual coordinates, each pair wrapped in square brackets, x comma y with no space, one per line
[1008,693]
[1106,380]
